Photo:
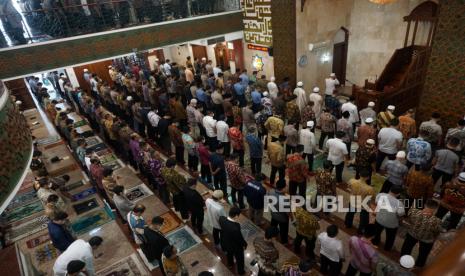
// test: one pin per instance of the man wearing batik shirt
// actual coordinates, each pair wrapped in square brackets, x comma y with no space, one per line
[407,125]
[345,126]
[423,227]
[277,158]
[325,183]
[175,183]
[359,187]
[296,171]
[367,112]
[237,143]
[420,186]
[384,118]
[307,114]
[292,109]
[275,126]
[328,127]
[457,132]
[333,105]
[453,201]
[365,158]
[306,226]
[237,180]
[418,151]
[155,165]
[365,132]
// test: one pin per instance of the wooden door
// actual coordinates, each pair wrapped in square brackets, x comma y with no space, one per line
[221,55]
[237,54]
[340,61]
[199,51]
[100,68]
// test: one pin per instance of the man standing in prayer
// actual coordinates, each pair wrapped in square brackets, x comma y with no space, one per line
[385,117]
[331,84]
[353,111]
[317,100]
[367,112]
[301,95]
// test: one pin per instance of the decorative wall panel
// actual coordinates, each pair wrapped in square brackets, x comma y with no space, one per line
[257,22]
[15,147]
[57,54]
[284,42]
[444,90]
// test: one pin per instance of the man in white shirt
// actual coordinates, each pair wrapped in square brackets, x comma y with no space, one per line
[353,111]
[216,71]
[367,112]
[307,139]
[78,250]
[272,88]
[337,153]
[210,128]
[389,210]
[331,251]
[61,82]
[215,210]
[317,100]
[222,130]
[331,84]
[167,68]
[301,100]
[389,143]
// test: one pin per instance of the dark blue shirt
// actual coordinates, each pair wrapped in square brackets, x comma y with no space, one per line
[217,161]
[200,94]
[333,104]
[61,238]
[256,97]
[255,146]
[255,194]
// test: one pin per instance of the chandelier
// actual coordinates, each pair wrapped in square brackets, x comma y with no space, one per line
[382,2]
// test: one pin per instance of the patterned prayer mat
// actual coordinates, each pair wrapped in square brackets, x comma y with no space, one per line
[138,192]
[28,182]
[108,158]
[84,194]
[73,186]
[48,140]
[98,147]
[80,123]
[45,253]
[21,199]
[92,141]
[20,231]
[113,165]
[103,152]
[85,206]
[38,241]
[22,212]
[129,266]
[90,221]
[248,229]
[319,160]
[183,239]
[171,222]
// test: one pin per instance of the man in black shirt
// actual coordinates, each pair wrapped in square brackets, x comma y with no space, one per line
[232,240]
[154,241]
[195,204]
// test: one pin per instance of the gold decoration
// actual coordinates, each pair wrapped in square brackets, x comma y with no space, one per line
[382,2]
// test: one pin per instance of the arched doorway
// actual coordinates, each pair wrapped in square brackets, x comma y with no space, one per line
[221,55]
[341,44]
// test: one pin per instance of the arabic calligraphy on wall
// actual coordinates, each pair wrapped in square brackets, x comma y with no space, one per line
[257,21]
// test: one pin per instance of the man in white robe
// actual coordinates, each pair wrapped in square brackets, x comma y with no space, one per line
[317,100]
[301,100]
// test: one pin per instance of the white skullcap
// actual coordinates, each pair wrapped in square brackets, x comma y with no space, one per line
[272,79]
[400,154]
[86,70]
[316,89]
[18,102]
[310,124]
[371,104]
[407,261]
[391,107]
[332,75]
[369,120]
[462,176]
[109,66]
[218,194]
[204,58]
[370,142]
[129,98]
[300,84]
[193,101]
[265,94]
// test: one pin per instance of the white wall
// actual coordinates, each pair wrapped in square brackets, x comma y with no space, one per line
[211,54]
[268,64]
[72,76]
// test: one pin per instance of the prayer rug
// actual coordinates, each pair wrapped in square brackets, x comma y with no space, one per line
[85,206]
[38,241]
[150,265]
[170,223]
[21,199]
[103,152]
[138,192]
[319,160]
[48,140]
[109,158]
[90,221]
[129,266]
[248,229]
[113,165]
[20,231]
[97,147]
[73,186]
[80,123]
[84,194]
[45,253]
[22,212]
[92,141]
[183,239]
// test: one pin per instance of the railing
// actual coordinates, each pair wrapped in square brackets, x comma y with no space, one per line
[53,21]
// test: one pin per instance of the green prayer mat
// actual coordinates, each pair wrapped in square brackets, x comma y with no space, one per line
[319,160]
[23,212]
[90,221]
